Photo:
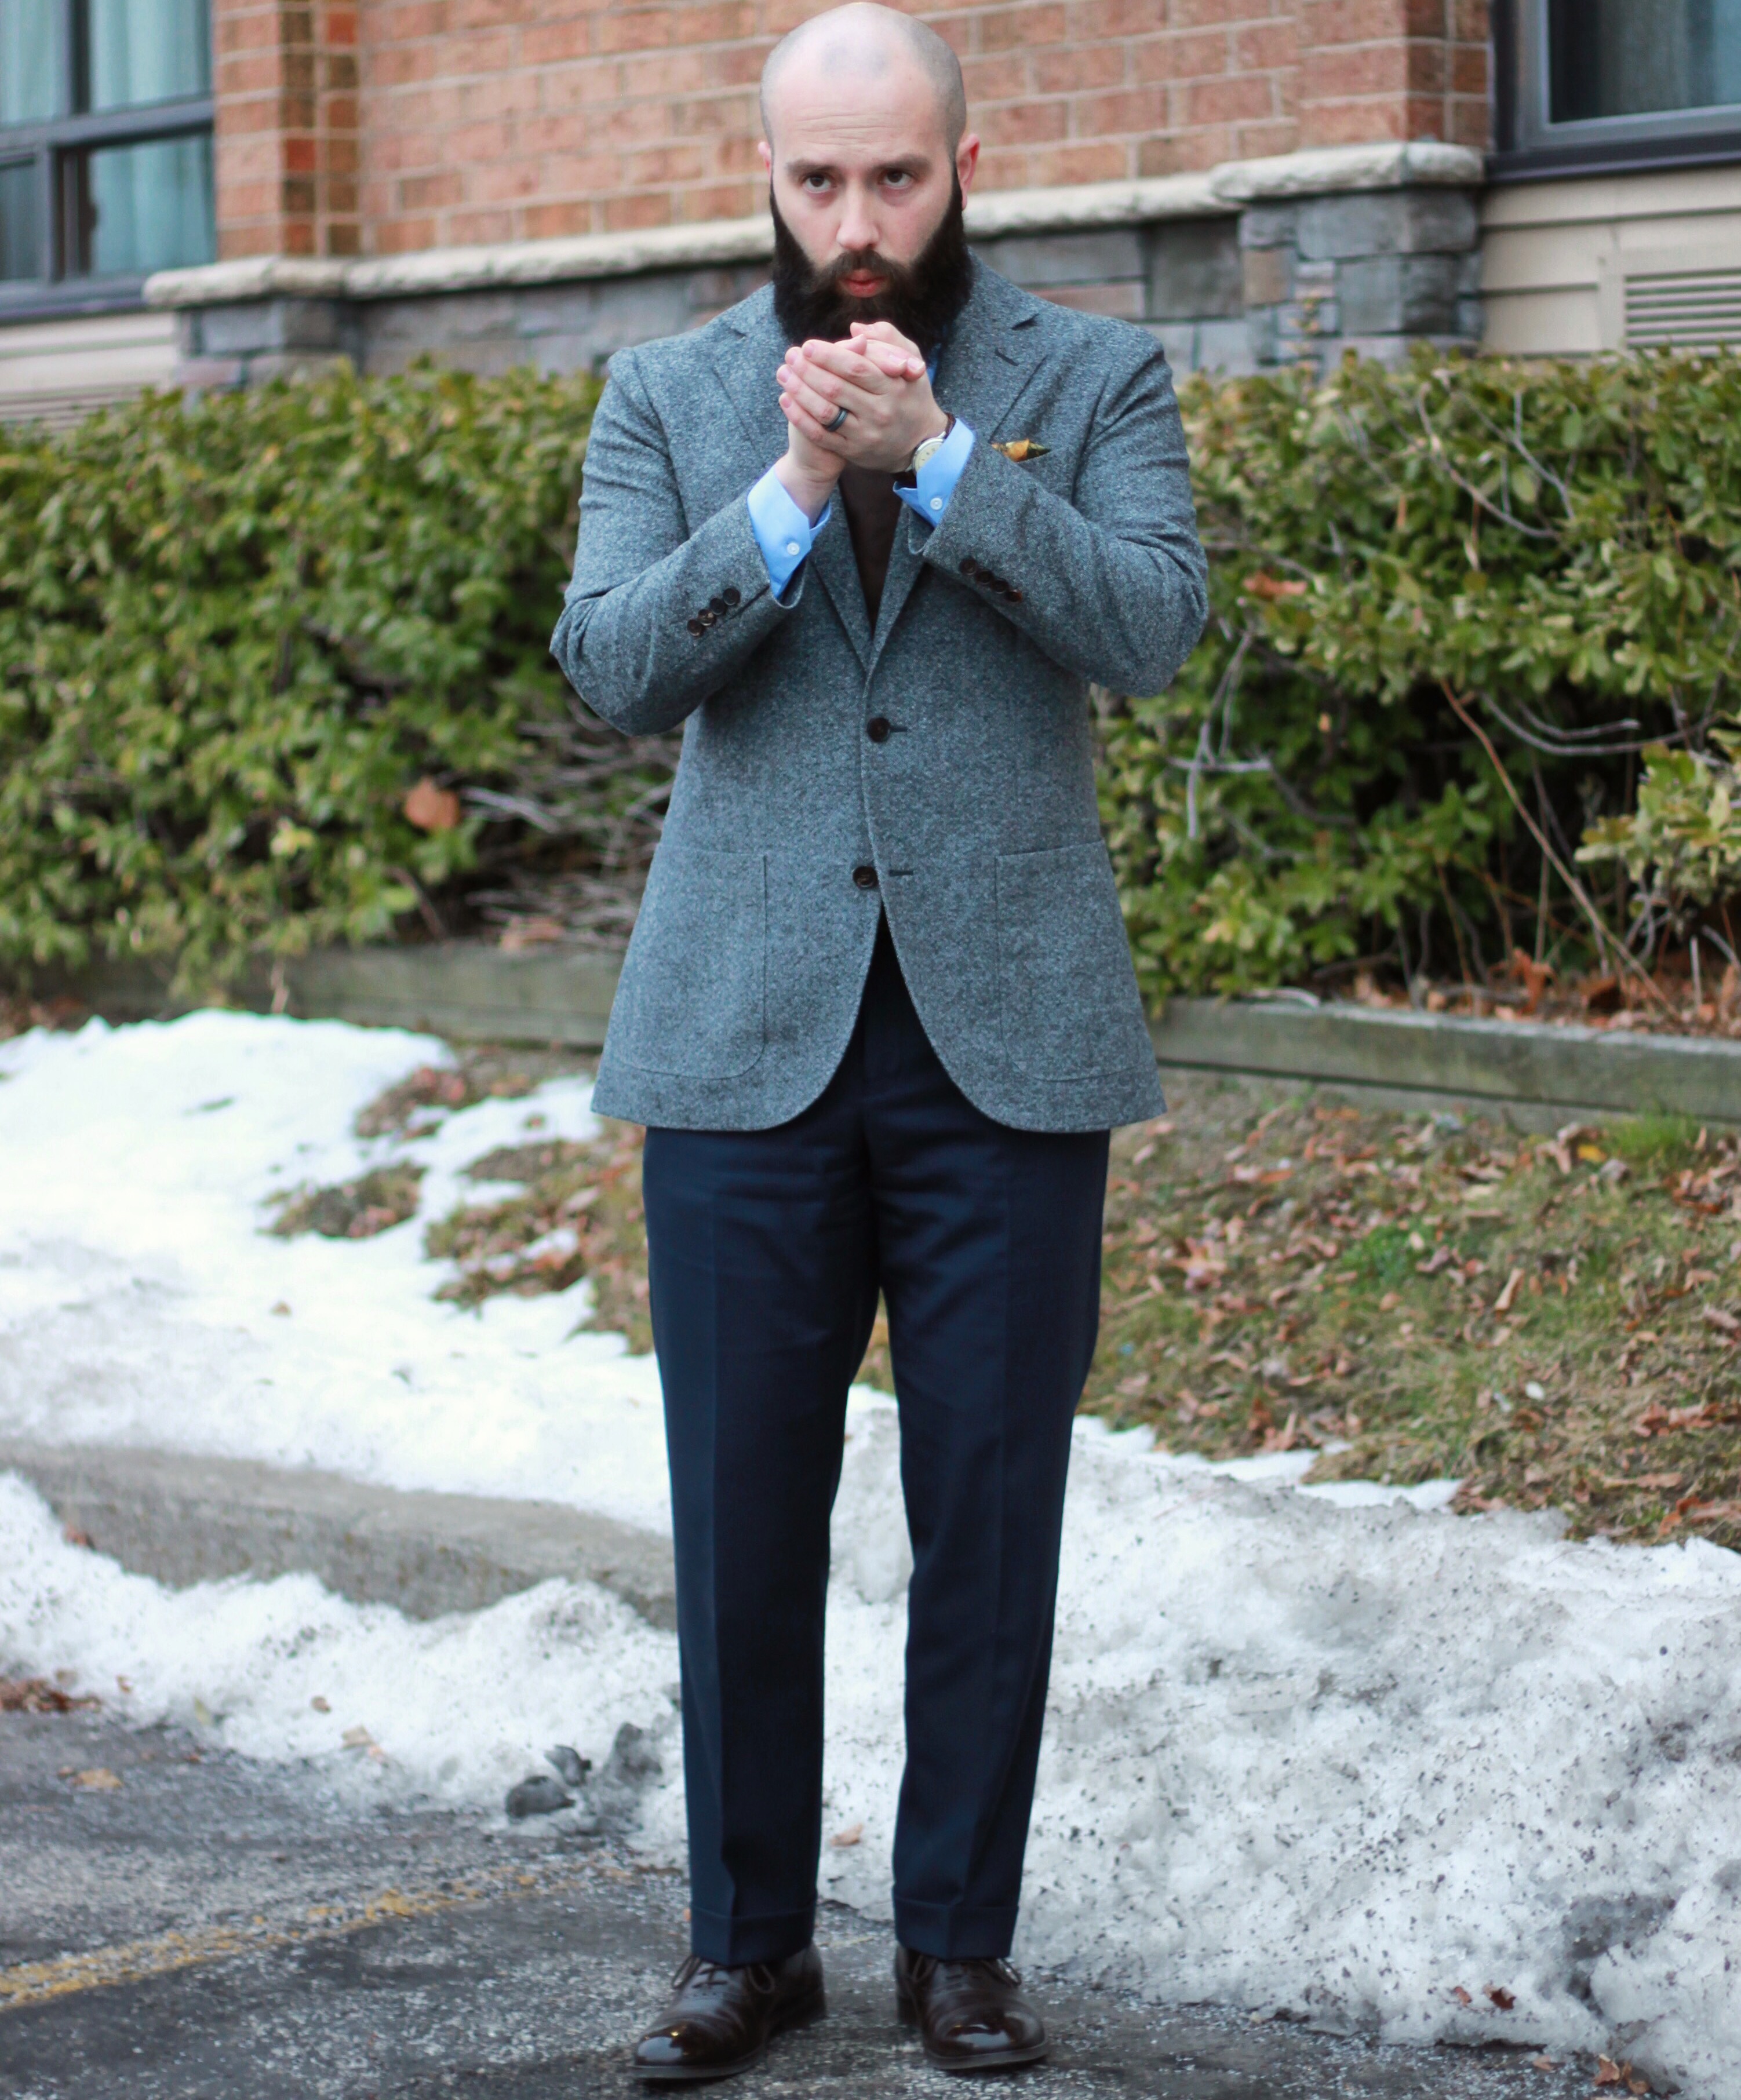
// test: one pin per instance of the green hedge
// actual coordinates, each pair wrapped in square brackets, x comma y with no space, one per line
[1402,563]
[1468,619]
[233,637]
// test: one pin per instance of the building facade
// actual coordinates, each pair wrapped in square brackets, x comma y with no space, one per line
[212,192]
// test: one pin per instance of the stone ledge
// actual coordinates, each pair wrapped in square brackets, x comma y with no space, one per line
[472,993]
[1324,171]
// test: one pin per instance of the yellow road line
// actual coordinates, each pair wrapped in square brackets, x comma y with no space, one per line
[36,1982]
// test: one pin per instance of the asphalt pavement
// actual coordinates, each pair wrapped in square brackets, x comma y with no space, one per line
[177,1924]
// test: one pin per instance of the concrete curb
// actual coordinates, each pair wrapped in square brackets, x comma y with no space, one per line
[182,1520]
[1527,1071]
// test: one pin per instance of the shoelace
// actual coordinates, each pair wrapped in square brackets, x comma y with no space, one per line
[696,1968]
[926,1966]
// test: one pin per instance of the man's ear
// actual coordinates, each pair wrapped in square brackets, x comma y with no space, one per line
[765,153]
[966,161]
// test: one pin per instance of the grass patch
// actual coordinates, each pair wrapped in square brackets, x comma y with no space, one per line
[383,1198]
[1556,1320]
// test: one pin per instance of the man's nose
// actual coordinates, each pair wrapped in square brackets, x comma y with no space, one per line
[858,226]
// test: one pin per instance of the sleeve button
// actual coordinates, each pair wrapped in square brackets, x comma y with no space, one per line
[696,628]
[732,595]
[719,607]
[969,567]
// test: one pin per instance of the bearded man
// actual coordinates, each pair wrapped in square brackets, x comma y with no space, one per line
[870,536]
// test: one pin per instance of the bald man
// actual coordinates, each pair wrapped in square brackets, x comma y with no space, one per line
[870,536]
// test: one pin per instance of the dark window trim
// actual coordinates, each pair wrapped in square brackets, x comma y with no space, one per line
[68,298]
[134,126]
[49,143]
[1710,149]
[1597,148]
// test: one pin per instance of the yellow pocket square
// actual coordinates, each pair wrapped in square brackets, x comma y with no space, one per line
[1022,448]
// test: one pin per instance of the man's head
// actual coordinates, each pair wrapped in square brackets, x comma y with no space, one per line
[868,161]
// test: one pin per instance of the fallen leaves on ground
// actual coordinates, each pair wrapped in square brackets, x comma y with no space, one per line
[374,1201]
[579,1214]
[38,1695]
[1555,1320]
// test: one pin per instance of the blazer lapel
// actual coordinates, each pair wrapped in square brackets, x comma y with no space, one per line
[746,366]
[992,353]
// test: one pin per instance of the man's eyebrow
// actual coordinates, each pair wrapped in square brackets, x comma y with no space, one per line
[904,164]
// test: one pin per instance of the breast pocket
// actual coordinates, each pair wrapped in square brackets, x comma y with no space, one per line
[692,1001]
[1070,1004]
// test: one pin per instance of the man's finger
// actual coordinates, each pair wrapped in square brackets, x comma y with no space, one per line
[819,407]
[898,364]
[847,362]
[885,332]
[805,424]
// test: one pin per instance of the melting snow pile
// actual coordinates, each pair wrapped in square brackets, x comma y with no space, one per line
[1443,1779]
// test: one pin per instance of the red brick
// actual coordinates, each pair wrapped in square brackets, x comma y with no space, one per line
[551,222]
[631,213]
[427,193]
[1105,161]
[1265,46]
[1024,123]
[480,227]
[1078,67]
[1226,101]
[723,200]
[1135,109]
[1013,29]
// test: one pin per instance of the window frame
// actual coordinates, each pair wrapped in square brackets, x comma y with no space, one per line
[51,144]
[1527,145]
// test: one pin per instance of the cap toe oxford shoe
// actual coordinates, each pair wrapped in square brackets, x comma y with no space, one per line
[720,2021]
[970,2014]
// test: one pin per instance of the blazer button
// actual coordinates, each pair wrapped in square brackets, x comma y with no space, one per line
[1012,594]
[877,728]
[732,595]
[708,617]
[696,628]
[969,567]
[866,876]
[719,607]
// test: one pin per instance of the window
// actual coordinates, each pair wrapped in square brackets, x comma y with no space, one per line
[1593,83]
[105,146]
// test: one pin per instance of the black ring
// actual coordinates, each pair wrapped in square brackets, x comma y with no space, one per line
[841,414]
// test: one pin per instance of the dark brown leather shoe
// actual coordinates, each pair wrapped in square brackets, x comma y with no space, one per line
[971,2015]
[721,2020]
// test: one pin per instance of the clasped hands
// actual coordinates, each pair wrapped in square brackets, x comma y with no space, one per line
[879,377]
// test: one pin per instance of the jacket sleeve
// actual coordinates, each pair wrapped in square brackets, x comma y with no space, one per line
[656,618]
[1112,584]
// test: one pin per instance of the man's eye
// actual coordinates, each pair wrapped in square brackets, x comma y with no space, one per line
[816,184]
[897,178]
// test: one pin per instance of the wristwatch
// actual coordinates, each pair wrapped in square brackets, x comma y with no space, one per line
[925,453]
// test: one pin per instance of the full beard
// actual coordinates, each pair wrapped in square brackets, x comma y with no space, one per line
[921,298]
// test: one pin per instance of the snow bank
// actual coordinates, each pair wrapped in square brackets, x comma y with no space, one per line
[137,1287]
[1324,1750]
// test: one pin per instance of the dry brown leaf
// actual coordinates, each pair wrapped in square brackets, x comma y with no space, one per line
[1507,1297]
[1460,1995]
[843,1840]
[430,808]
[1501,1996]
[97,1779]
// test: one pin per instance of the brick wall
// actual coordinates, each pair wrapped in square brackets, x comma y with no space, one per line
[289,145]
[507,119]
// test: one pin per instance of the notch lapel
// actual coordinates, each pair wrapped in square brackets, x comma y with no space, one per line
[992,352]
[746,366]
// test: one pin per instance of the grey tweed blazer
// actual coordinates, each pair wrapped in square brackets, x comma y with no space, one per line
[940,767]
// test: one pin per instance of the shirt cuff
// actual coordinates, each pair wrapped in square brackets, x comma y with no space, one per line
[934,483]
[783,532]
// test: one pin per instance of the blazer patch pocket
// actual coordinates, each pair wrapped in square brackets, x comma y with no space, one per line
[1070,1008]
[692,998]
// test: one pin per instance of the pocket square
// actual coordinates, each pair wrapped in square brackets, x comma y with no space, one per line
[1022,448]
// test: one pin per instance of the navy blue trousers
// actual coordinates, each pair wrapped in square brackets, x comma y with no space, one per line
[767,1251]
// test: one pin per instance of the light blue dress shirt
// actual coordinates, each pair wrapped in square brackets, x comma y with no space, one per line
[784,534]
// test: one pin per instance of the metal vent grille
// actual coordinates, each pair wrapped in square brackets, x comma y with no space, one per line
[1694,309]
